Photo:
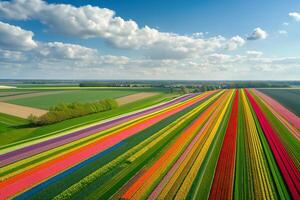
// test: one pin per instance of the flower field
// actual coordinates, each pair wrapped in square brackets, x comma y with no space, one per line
[220,144]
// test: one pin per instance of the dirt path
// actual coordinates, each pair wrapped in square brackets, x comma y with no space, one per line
[134,97]
[20,111]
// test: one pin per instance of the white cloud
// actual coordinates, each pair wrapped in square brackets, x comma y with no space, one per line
[170,46]
[254,54]
[257,34]
[295,16]
[282,32]
[166,55]
[59,50]
[90,22]
[20,9]
[15,38]
[218,58]
[285,23]
[12,56]
[210,66]
[17,45]
[235,42]
[198,34]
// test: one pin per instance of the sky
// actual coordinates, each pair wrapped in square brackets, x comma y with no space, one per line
[150,39]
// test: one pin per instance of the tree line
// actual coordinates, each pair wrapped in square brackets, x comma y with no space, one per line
[66,111]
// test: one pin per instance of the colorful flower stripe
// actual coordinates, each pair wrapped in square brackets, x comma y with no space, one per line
[138,188]
[164,135]
[33,141]
[243,187]
[263,185]
[222,187]
[187,183]
[288,169]
[39,173]
[43,185]
[187,153]
[22,153]
[283,129]
[180,168]
[281,190]
[288,115]
[24,164]
[283,117]
[226,144]
[181,171]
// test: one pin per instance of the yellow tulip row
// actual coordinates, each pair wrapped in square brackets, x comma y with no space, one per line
[166,164]
[259,171]
[188,181]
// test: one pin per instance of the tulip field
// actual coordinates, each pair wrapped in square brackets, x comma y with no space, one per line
[221,144]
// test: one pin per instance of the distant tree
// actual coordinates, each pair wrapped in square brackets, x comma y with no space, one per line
[32,119]
[184,90]
[64,111]
[171,89]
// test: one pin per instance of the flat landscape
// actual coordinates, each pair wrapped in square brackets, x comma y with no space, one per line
[44,100]
[36,100]
[149,100]
[223,143]
[290,98]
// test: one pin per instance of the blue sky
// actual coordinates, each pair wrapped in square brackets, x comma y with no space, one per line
[161,39]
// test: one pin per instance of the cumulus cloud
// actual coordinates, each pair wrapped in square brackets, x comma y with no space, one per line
[91,21]
[15,38]
[164,54]
[257,34]
[181,47]
[12,56]
[235,42]
[73,55]
[18,44]
[295,16]
[20,9]
[59,50]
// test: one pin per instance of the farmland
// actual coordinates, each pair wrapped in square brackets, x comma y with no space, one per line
[20,134]
[287,97]
[219,144]
[7,121]
[69,96]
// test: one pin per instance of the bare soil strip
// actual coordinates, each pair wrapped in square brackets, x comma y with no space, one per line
[20,111]
[134,97]
[32,94]
[8,94]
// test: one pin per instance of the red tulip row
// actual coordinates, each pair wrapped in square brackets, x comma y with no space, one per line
[222,187]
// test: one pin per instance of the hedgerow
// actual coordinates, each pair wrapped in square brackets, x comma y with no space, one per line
[66,111]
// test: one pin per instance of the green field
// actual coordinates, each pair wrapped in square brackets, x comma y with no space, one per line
[47,101]
[17,134]
[8,123]
[290,98]
[6,94]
